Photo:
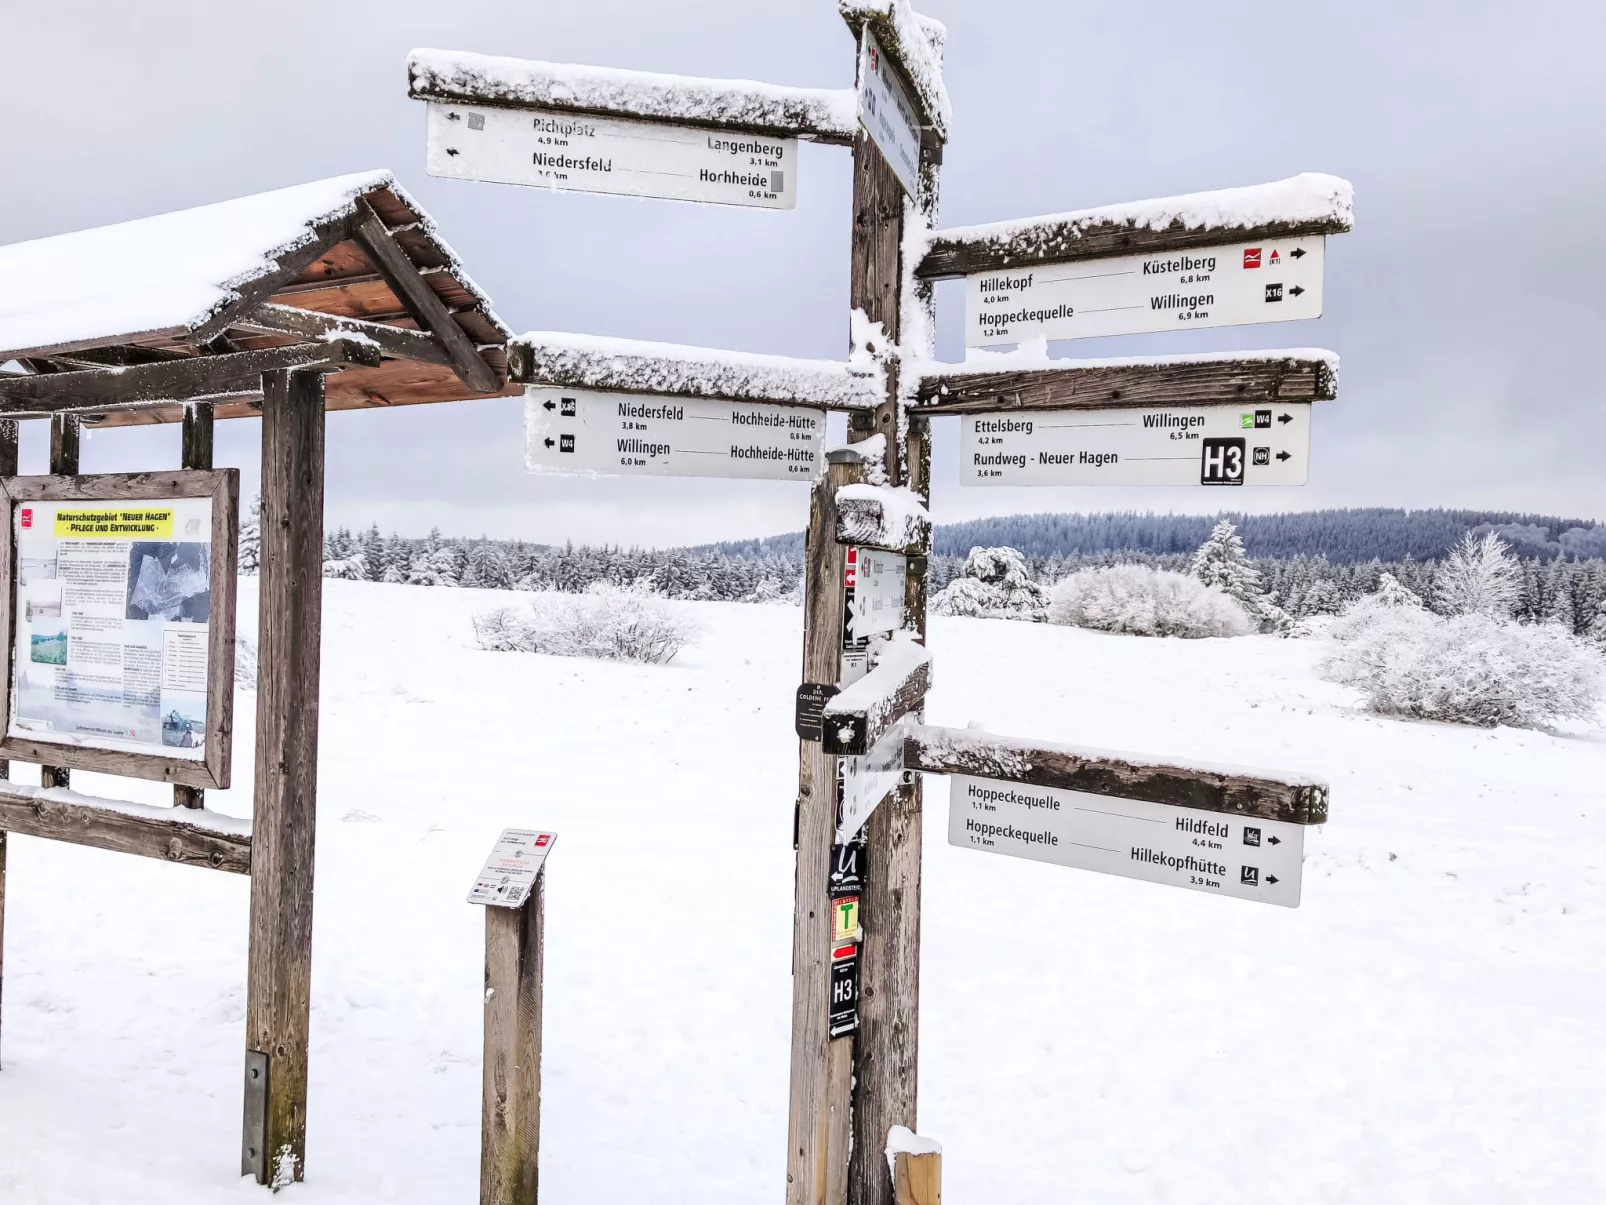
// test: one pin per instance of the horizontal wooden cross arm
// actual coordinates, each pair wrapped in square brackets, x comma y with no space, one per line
[425,305]
[597,362]
[827,115]
[397,342]
[1301,206]
[1208,380]
[194,379]
[863,713]
[889,519]
[979,754]
[190,837]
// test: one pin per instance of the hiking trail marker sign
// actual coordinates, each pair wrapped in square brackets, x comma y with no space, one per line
[1183,445]
[509,874]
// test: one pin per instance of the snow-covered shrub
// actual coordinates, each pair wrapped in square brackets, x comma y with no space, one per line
[1222,562]
[1390,593]
[994,584]
[1480,575]
[614,623]
[1472,668]
[353,568]
[1141,601]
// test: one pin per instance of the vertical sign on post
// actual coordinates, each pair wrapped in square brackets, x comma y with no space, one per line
[887,113]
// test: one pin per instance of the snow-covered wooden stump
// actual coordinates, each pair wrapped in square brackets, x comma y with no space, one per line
[916,1165]
[510,1118]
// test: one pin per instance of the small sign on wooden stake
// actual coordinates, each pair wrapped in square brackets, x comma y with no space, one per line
[510,872]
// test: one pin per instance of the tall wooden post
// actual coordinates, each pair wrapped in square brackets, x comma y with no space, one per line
[64,435]
[818,1122]
[510,1117]
[195,453]
[279,978]
[8,468]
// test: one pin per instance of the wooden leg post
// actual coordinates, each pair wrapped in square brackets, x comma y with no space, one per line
[916,1179]
[279,978]
[510,1117]
[64,433]
[8,468]
[196,444]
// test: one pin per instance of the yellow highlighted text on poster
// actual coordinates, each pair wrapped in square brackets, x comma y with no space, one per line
[115,523]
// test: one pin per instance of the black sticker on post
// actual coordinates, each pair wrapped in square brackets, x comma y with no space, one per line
[1221,462]
[809,720]
[847,870]
[843,1003]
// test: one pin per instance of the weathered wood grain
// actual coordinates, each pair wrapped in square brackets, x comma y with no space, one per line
[279,975]
[1061,242]
[392,340]
[863,522]
[170,834]
[8,468]
[195,379]
[980,754]
[917,1179]
[422,301]
[510,1116]
[1228,380]
[2,936]
[65,439]
[195,452]
[287,268]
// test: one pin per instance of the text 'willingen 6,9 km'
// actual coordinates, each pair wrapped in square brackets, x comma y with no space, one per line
[637,435]
[577,152]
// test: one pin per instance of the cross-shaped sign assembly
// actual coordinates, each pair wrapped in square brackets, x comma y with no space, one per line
[611,406]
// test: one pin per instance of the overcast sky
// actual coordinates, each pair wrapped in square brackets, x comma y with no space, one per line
[1469,304]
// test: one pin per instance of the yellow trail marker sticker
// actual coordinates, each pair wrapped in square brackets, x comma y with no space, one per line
[844,918]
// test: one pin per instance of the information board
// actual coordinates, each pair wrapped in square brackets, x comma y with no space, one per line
[569,431]
[509,874]
[1230,285]
[577,152]
[1181,445]
[1223,854]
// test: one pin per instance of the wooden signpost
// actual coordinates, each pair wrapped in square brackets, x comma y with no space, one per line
[609,406]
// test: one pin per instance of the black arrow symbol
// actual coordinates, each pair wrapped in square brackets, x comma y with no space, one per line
[451,150]
[549,404]
[1282,418]
[1296,290]
[1274,840]
[453,117]
[1283,456]
[1296,253]
[1271,878]
[548,442]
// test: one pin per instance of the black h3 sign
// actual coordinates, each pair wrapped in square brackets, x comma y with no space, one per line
[1221,462]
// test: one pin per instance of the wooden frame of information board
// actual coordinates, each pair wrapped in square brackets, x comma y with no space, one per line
[222,488]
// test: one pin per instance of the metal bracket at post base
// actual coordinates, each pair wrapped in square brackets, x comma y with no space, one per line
[254,1136]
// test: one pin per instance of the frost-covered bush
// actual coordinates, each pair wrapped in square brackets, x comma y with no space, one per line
[614,623]
[1480,575]
[1140,601]
[994,584]
[1391,593]
[1472,668]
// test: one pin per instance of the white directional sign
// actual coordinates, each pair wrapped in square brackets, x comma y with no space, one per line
[878,581]
[637,435]
[1270,281]
[576,152]
[1245,857]
[1182,445]
[511,870]
[887,114]
[866,781]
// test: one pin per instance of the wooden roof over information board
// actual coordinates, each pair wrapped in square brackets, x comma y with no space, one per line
[124,323]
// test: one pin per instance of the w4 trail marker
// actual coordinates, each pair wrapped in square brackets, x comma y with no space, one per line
[601,406]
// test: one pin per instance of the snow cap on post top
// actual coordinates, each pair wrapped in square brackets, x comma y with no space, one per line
[916,43]
[891,519]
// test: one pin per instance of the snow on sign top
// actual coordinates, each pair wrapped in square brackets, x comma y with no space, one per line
[746,104]
[173,271]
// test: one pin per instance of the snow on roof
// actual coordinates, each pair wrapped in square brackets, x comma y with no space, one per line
[171,272]
[1307,197]
[495,79]
[638,366]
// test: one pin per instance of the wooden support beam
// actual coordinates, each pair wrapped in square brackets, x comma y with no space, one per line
[510,1116]
[422,301]
[286,269]
[857,719]
[8,468]
[279,977]
[195,452]
[198,378]
[183,836]
[1294,799]
[395,341]
[65,437]
[1228,379]
[818,1119]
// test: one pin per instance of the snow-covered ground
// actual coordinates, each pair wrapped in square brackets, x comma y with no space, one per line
[1428,1027]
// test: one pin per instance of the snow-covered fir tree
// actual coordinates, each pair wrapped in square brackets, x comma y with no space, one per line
[1222,562]
[250,545]
[995,583]
[1390,593]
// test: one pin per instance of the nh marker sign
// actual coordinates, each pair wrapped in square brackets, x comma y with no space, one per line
[579,152]
[1181,445]
[1168,290]
[570,431]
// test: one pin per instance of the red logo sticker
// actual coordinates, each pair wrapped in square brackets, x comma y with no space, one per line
[542,840]
[27,516]
[1251,257]
[1275,258]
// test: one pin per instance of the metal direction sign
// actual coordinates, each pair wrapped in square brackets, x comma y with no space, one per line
[511,870]
[887,114]
[1230,285]
[876,602]
[1242,857]
[576,152]
[1182,445]
[640,435]
[863,782]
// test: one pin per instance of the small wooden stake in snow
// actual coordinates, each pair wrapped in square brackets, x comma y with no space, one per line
[916,1168]
[510,1115]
